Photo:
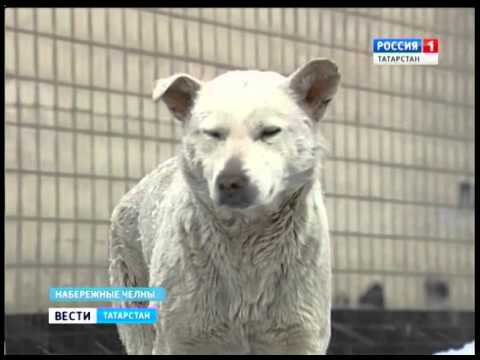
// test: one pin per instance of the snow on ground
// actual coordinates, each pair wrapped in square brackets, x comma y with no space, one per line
[468,349]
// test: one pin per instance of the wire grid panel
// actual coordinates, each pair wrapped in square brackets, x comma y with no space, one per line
[81,130]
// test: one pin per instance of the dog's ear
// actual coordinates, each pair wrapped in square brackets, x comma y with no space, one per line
[178,92]
[314,85]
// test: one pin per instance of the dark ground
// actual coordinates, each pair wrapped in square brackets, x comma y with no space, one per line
[353,332]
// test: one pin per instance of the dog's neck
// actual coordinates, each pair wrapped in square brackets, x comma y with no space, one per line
[237,223]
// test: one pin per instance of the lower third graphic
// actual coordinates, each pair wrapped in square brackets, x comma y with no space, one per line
[102,315]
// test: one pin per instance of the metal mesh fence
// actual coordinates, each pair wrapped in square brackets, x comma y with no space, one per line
[81,130]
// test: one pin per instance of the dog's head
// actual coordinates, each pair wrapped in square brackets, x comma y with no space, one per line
[250,137]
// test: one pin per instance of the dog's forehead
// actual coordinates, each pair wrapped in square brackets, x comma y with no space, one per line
[244,92]
[247,77]
[242,83]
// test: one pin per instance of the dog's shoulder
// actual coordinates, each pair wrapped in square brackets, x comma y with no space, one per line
[158,181]
[134,218]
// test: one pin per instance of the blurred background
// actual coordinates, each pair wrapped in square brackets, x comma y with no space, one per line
[81,129]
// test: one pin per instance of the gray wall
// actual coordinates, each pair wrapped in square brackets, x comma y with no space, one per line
[81,129]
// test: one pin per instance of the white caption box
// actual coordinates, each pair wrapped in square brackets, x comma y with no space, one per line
[70,315]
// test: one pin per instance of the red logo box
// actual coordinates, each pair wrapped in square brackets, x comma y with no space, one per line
[430,46]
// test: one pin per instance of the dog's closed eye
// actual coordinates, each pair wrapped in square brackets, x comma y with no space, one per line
[269,132]
[215,134]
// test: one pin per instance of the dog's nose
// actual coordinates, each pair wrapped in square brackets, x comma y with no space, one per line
[234,190]
[231,183]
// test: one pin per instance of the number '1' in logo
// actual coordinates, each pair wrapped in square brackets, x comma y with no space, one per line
[430,45]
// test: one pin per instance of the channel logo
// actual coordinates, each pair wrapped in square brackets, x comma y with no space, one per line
[59,315]
[405,51]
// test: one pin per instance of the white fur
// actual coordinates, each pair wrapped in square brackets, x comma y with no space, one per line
[246,281]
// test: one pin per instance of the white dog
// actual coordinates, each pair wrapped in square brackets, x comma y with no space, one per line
[234,227]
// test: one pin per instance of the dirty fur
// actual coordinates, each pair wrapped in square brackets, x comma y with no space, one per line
[255,280]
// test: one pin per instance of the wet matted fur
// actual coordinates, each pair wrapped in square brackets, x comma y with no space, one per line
[234,227]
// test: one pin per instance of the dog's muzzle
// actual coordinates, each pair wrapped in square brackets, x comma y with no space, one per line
[235,190]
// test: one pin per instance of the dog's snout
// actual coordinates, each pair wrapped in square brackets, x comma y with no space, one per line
[232,182]
[233,186]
